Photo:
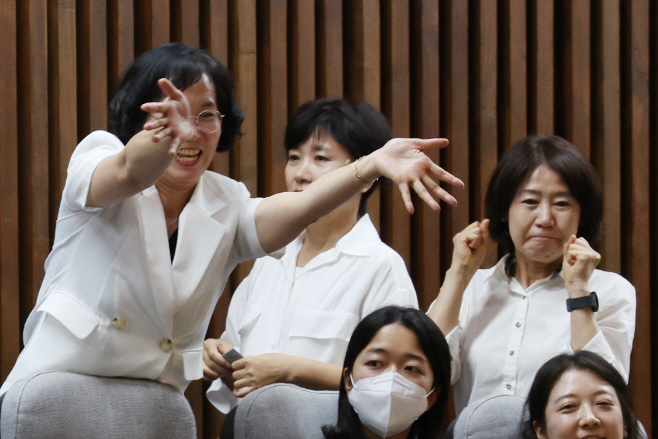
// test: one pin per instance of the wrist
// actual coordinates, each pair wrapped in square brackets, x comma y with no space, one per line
[577,290]
[365,169]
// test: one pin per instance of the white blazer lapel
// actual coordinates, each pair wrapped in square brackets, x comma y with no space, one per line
[199,236]
[156,247]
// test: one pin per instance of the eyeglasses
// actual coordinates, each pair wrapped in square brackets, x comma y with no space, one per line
[208,121]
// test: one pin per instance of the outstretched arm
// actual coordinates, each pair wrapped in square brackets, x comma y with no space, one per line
[251,373]
[148,153]
[470,247]
[282,217]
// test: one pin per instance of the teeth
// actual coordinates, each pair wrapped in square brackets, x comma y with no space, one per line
[185,159]
[189,152]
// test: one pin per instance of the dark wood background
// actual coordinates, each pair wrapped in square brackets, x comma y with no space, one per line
[481,73]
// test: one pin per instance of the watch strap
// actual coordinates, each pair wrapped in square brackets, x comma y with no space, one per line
[591,301]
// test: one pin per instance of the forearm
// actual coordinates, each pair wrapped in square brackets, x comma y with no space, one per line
[282,217]
[445,310]
[138,166]
[583,323]
[315,375]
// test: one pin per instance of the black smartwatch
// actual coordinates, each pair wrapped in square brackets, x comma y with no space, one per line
[591,301]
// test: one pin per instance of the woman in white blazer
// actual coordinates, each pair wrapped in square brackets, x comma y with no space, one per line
[146,236]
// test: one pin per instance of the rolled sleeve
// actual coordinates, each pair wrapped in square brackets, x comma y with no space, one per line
[247,239]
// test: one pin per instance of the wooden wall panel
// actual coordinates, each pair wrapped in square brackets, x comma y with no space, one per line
[482,73]
[455,121]
[33,136]
[301,54]
[10,327]
[395,105]
[273,94]
[540,67]
[484,116]
[424,123]
[637,264]
[329,52]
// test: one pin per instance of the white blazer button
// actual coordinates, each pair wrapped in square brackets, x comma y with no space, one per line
[119,323]
[166,345]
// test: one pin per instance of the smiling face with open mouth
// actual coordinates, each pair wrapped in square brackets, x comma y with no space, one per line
[195,155]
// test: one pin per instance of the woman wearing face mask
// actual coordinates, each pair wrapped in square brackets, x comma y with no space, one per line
[577,396]
[544,206]
[396,379]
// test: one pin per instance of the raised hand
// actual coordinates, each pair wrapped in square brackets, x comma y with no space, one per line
[579,262]
[251,373]
[470,248]
[405,163]
[214,364]
[170,117]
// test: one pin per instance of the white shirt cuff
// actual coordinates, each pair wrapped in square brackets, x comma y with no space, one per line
[221,396]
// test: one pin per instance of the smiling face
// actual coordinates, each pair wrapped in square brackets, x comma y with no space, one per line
[582,405]
[542,217]
[312,159]
[195,155]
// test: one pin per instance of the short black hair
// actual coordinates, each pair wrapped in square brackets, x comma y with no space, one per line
[515,168]
[359,127]
[551,372]
[430,425]
[183,66]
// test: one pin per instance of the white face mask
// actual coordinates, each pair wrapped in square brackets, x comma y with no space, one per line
[388,403]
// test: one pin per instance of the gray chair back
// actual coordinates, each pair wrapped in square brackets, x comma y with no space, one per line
[285,411]
[69,405]
[496,417]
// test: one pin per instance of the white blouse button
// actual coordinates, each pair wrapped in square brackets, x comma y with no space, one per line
[518,324]
[511,353]
[509,387]
[166,345]
[119,323]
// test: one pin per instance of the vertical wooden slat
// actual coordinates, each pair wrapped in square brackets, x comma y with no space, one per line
[213,22]
[606,135]
[363,64]
[577,75]
[153,27]
[518,111]
[189,19]
[121,40]
[10,330]
[272,94]
[424,98]
[33,138]
[329,53]
[62,97]
[92,66]
[455,117]
[301,53]
[484,100]
[540,67]
[637,265]
[395,230]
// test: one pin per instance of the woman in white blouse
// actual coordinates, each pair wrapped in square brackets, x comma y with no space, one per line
[292,317]
[544,206]
[146,236]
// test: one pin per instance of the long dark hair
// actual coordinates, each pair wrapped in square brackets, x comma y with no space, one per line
[550,373]
[183,66]
[359,127]
[430,425]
